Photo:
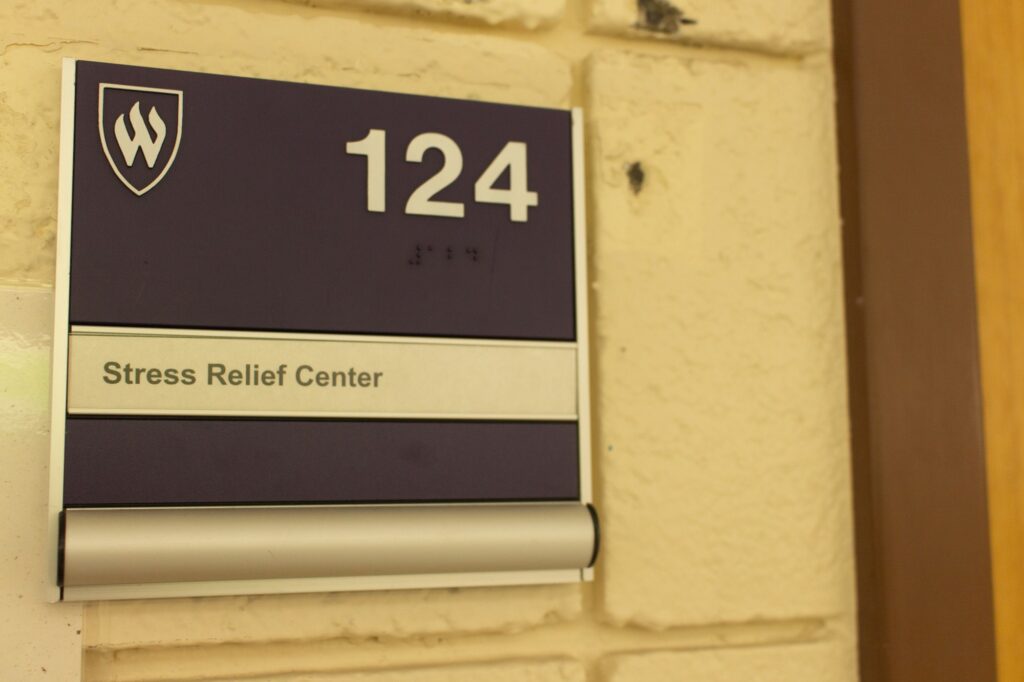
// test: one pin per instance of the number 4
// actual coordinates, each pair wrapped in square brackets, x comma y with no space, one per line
[518,198]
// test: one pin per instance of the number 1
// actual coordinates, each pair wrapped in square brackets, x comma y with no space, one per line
[372,147]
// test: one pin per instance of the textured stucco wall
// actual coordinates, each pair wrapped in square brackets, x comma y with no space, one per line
[721,452]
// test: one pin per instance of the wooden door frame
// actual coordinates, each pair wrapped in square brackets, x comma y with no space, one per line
[921,505]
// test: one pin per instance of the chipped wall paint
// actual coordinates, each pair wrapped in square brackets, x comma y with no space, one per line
[40,640]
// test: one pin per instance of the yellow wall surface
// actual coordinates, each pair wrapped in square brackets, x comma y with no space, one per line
[993,35]
[720,432]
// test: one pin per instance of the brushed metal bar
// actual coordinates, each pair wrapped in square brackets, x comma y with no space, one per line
[168,545]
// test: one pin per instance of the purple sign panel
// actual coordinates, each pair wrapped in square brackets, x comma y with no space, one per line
[290,293]
[233,203]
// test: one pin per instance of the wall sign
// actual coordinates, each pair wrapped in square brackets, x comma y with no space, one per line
[344,326]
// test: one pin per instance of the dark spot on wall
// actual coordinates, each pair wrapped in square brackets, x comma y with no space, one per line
[636,175]
[660,16]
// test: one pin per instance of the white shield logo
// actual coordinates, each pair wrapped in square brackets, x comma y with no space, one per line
[135,119]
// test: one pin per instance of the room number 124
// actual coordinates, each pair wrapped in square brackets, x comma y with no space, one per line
[517,197]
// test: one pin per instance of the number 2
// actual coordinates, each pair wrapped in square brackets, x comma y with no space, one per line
[422,202]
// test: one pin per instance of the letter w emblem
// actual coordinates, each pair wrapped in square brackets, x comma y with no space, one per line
[150,146]
[134,119]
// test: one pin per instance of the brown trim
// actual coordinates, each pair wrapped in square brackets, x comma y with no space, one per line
[924,584]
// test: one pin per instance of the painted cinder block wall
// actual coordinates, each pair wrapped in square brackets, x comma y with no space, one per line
[721,435]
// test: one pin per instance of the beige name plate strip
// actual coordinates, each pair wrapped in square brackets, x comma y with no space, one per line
[187,372]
